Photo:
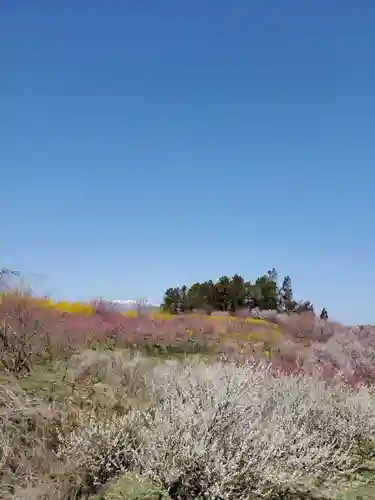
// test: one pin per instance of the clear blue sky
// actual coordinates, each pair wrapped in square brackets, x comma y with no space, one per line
[145,144]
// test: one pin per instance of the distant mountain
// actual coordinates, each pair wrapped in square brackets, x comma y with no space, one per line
[126,305]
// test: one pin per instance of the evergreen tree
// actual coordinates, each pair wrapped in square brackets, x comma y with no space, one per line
[286,295]
[324,314]
[231,294]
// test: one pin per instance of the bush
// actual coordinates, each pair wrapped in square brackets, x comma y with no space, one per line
[101,449]
[24,427]
[225,431]
[228,432]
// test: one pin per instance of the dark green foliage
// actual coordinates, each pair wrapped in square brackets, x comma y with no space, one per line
[324,314]
[286,294]
[175,300]
[230,294]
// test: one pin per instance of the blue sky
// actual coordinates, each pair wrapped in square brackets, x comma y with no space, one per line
[145,144]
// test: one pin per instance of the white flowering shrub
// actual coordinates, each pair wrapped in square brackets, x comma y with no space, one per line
[224,432]
[101,448]
[227,432]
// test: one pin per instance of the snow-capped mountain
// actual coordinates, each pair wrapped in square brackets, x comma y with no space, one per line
[126,305]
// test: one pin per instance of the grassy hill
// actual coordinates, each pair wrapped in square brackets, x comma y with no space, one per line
[100,405]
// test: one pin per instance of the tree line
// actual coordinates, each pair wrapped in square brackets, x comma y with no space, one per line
[231,294]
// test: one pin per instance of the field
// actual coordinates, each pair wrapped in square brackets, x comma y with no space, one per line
[100,405]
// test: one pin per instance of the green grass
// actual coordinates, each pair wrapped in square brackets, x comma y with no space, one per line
[176,351]
[46,379]
[362,489]
[131,487]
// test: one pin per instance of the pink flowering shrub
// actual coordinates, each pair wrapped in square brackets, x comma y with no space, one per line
[349,352]
[291,342]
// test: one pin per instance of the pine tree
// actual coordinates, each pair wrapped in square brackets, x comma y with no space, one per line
[286,295]
[324,314]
